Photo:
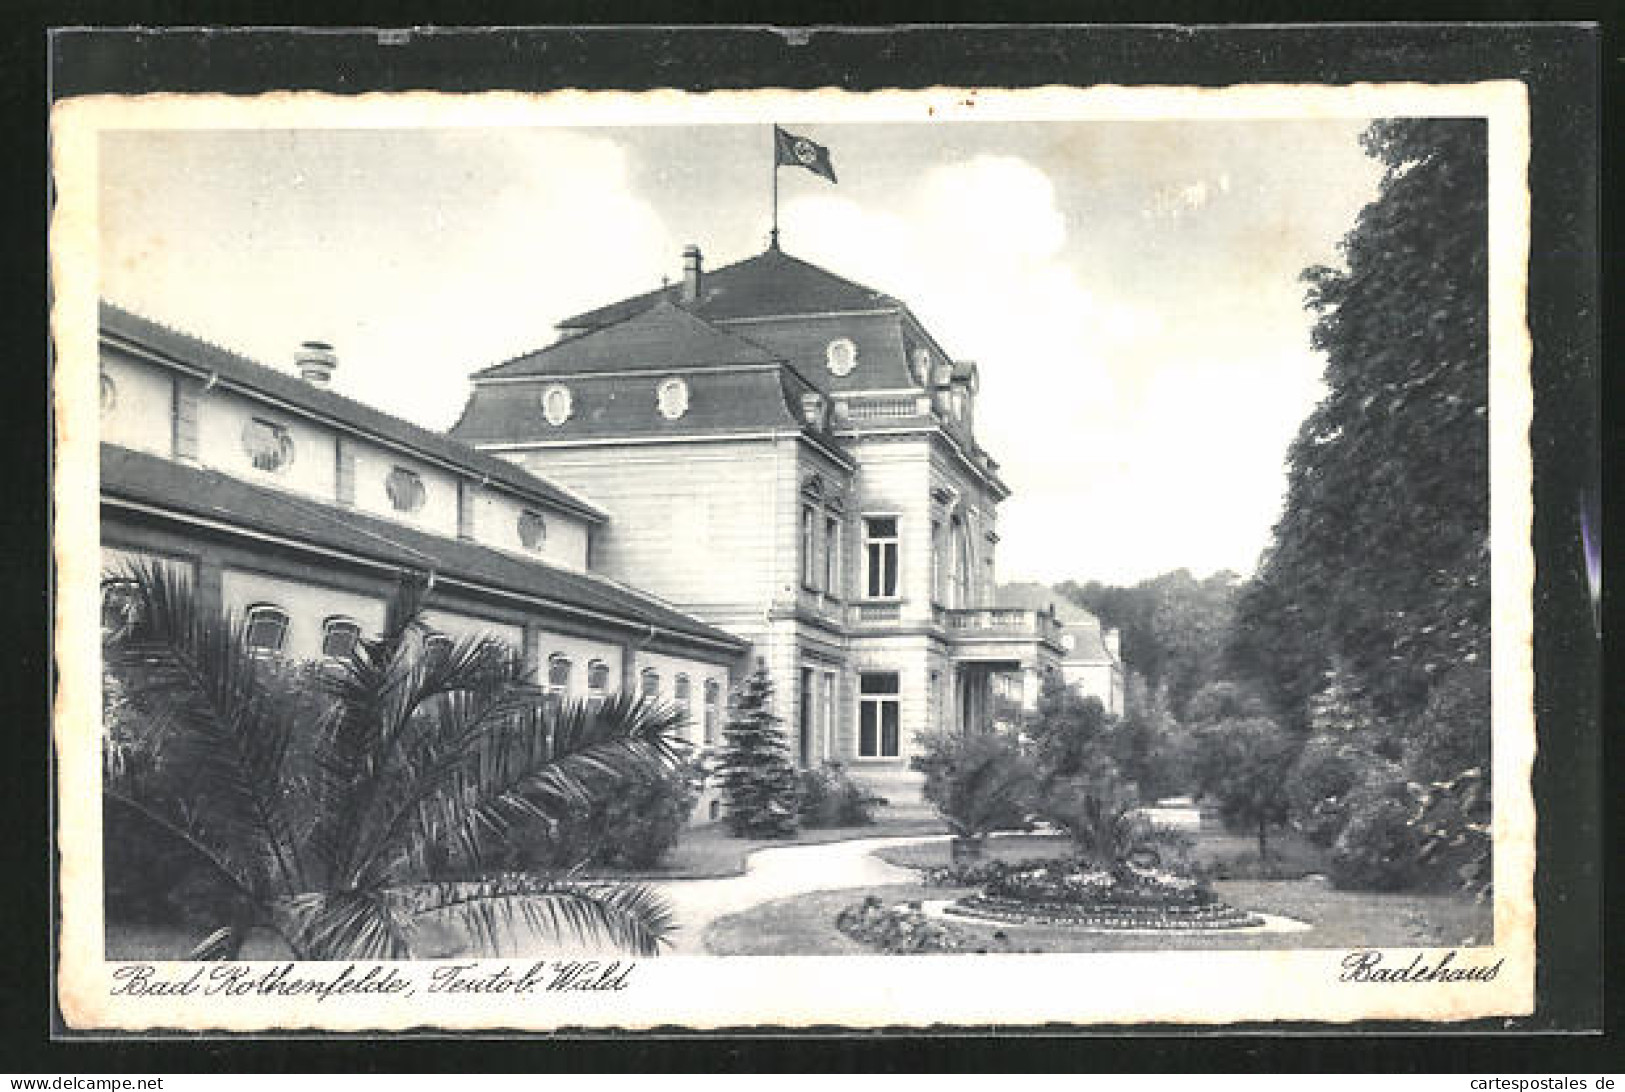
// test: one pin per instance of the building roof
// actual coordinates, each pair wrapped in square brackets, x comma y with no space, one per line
[662,337]
[177,488]
[771,283]
[186,350]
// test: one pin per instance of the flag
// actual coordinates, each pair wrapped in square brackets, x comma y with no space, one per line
[798,151]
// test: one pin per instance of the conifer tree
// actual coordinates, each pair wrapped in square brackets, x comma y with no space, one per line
[759,785]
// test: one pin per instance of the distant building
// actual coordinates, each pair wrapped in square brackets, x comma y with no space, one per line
[1092,658]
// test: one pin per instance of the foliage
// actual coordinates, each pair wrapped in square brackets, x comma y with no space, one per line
[978,782]
[1243,763]
[1070,733]
[324,810]
[1452,733]
[1320,782]
[1102,818]
[753,768]
[830,798]
[1174,627]
[1380,561]
[906,930]
[1378,848]
[631,825]
[1452,822]
[1153,751]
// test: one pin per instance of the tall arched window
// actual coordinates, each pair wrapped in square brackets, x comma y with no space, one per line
[597,682]
[683,696]
[959,565]
[558,679]
[339,635]
[267,630]
[713,709]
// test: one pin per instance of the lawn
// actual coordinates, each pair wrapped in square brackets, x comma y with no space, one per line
[805,925]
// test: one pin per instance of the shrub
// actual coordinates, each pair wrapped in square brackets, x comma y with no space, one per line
[978,782]
[1453,824]
[830,798]
[1453,732]
[1378,847]
[634,826]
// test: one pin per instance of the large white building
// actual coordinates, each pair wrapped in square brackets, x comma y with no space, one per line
[765,461]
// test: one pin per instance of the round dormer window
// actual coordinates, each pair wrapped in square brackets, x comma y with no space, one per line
[109,393]
[672,398]
[842,355]
[557,404]
[405,490]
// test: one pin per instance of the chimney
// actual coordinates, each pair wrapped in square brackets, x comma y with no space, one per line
[315,361]
[691,273]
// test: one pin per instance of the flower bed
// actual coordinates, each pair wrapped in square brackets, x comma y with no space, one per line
[1064,892]
[905,929]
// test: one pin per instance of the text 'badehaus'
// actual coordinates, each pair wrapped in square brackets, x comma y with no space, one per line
[759,462]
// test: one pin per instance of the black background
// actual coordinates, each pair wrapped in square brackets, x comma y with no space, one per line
[1560,63]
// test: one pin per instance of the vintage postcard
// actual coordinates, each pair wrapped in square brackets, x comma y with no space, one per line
[935,558]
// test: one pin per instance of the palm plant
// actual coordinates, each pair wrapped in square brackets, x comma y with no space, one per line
[978,782]
[336,811]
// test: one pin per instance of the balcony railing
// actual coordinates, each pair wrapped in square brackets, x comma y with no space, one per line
[881,407]
[1003,622]
[868,614]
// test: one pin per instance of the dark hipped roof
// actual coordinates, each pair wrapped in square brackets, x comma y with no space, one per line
[720,403]
[664,337]
[188,350]
[771,283]
[176,487]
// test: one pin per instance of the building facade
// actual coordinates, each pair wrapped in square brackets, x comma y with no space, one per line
[300,510]
[792,458]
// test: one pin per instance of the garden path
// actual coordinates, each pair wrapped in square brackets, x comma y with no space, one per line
[779,873]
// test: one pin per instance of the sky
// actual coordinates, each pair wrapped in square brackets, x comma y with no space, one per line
[1129,289]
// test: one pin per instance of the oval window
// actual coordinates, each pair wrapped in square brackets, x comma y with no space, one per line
[672,396]
[268,445]
[842,355]
[109,393]
[532,530]
[557,404]
[405,489]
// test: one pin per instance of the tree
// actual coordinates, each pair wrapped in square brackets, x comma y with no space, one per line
[1380,560]
[760,787]
[1243,763]
[1148,745]
[325,807]
[1070,732]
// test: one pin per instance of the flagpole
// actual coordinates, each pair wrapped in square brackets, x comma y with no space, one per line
[773,237]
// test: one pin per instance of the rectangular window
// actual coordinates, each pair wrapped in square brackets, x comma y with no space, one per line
[880,557]
[809,547]
[832,555]
[826,709]
[879,715]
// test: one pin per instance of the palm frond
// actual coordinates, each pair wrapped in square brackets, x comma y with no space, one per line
[224,724]
[373,924]
[502,913]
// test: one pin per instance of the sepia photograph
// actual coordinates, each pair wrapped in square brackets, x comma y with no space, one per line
[680,551]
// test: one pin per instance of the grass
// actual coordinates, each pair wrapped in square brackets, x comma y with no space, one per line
[805,925]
